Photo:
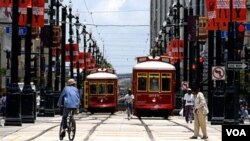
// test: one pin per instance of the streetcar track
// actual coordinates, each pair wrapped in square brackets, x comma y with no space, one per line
[149,132]
[94,128]
[43,132]
[50,128]
[179,124]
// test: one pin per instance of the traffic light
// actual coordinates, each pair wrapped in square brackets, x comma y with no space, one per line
[201,60]
[200,68]
[240,31]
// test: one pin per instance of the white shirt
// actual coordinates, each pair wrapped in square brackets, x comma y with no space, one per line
[189,98]
[129,98]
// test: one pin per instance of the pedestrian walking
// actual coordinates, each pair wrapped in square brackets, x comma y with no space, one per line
[129,97]
[3,101]
[200,112]
[188,105]
[244,111]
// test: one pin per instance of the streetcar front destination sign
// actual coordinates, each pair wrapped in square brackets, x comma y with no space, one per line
[237,65]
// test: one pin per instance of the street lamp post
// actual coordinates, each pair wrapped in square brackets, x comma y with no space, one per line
[70,16]
[63,27]
[49,98]
[176,19]
[13,102]
[84,33]
[77,24]
[58,4]
[164,33]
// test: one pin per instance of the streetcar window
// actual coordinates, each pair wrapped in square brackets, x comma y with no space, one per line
[154,82]
[92,88]
[101,88]
[110,88]
[142,82]
[166,79]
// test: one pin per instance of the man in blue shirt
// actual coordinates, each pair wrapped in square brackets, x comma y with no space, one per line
[69,100]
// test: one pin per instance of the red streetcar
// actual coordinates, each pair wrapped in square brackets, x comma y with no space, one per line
[101,91]
[154,86]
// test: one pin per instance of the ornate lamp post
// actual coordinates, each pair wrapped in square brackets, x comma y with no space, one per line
[84,33]
[58,5]
[77,24]
[70,16]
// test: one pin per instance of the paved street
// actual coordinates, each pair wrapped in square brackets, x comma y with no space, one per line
[105,127]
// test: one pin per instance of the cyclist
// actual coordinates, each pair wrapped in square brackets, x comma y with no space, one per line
[129,102]
[70,100]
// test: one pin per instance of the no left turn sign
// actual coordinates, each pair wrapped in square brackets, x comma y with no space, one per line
[218,73]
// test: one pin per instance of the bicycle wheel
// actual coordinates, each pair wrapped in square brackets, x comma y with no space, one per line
[61,134]
[71,129]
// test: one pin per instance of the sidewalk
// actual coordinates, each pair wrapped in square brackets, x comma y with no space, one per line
[214,131]
[44,123]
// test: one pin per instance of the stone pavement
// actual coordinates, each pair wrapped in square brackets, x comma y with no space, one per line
[117,129]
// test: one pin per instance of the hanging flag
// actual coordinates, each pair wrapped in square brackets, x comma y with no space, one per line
[239,10]
[222,14]
[75,52]
[38,13]
[211,15]
[25,3]
[5,3]
[22,21]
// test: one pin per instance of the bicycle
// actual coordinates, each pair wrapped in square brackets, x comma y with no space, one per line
[71,126]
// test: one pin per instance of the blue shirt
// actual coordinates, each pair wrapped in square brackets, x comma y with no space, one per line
[69,97]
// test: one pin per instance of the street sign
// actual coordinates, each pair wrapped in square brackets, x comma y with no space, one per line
[184,85]
[237,65]
[22,30]
[218,73]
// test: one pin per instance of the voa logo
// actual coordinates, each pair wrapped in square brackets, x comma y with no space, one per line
[236,132]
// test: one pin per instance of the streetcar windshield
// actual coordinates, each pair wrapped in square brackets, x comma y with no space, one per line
[154,82]
[101,88]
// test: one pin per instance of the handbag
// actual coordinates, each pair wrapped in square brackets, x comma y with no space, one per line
[181,112]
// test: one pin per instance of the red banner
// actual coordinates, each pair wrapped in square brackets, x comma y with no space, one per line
[211,15]
[38,13]
[239,10]
[22,21]
[222,14]
[218,13]
[75,52]
[175,50]
[25,3]
[54,51]
[5,3]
